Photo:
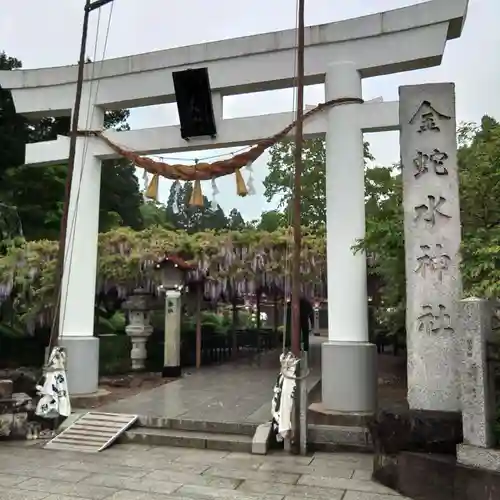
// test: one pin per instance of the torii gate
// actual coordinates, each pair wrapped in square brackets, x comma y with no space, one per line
[337,54]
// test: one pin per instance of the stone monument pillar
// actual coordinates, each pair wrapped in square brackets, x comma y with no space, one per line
[432,243]
[139,327]
[172,357]
[348,359]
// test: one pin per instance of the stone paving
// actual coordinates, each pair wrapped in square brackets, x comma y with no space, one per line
[133,472]
[238,392]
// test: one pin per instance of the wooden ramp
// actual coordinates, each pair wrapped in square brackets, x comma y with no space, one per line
[92,433]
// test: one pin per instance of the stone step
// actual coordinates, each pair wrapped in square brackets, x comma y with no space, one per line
[245,429]
[332,438]
[188,439]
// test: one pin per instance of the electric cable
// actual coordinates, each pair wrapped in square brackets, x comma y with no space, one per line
[88,120]
[286,287]
[290,216]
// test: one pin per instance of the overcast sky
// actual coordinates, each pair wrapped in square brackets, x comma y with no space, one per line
[47,33]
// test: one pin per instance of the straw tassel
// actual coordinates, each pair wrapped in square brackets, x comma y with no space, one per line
[196,199]
[241,188]
[152,189]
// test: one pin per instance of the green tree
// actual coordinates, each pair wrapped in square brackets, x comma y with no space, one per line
[13,131]
[236,221]
[154,214]
[278,183]
[120,193]
[271,221]
[181,215]
[384,245]
[479,168]
[10,227]
[479,177]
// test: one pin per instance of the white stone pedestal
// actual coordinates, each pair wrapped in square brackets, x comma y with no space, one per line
[349,371]
[82,368]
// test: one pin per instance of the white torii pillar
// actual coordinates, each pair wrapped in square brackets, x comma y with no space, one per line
[347,356]
[77,311]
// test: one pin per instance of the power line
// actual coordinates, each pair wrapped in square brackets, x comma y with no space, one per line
[205,158]
[61,258]
[91,106]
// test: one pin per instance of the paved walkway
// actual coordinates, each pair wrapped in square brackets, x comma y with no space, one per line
[239,392]
[127,472]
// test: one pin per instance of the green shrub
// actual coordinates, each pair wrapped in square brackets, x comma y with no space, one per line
[114,354]
[103,326]
[118,322]
[11,331]
[157,319]
[114,324]
[20,350]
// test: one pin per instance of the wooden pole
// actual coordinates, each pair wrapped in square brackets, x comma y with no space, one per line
[54,334]
[234,315]
[276,318]
[258,296]
[199,298]
[297,236]
[297,418]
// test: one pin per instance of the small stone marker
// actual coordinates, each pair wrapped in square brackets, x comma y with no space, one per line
[477,381]
[261,439]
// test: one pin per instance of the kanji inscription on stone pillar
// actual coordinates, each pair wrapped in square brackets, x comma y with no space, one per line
[432,242]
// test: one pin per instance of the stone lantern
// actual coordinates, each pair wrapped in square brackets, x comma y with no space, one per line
[138,306]
[172,274]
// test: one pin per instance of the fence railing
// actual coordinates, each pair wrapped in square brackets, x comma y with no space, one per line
[114,351]
[216,348]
